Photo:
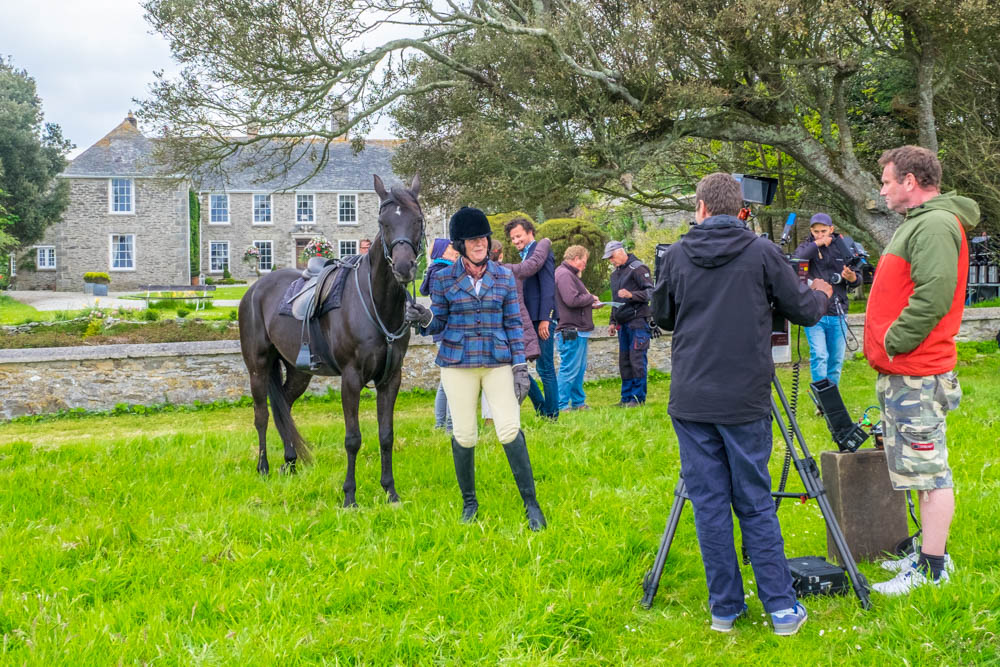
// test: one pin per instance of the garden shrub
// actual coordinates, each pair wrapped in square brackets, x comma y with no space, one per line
[149,315]
[98,277]
[183,312]
[565,232]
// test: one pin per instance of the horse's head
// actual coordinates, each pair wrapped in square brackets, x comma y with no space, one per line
[401,226]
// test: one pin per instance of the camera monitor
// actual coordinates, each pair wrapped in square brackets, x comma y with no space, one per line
[757,189]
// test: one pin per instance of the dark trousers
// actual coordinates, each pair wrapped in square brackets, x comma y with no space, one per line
[725,470]
[546,405]
[633,345]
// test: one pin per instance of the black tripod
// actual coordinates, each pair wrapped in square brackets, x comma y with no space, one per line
[809,473]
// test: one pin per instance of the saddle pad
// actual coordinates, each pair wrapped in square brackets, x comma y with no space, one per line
[333,299]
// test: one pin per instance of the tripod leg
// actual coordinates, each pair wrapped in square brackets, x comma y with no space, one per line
[651,582]
[809,473]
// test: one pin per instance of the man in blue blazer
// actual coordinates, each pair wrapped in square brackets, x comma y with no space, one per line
[540,299]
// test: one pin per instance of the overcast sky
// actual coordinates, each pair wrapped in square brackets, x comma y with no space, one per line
[89,59]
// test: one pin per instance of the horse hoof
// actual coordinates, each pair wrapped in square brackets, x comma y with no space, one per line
[288,468]
[263,470]
[393,497]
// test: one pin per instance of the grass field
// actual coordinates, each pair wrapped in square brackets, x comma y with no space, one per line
[150,539]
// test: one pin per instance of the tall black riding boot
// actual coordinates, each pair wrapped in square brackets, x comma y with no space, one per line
[520,465]
[465,471]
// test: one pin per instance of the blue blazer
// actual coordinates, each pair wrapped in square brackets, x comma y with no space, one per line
[478,331]
[540,290]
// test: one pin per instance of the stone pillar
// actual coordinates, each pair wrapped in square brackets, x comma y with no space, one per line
[871,514]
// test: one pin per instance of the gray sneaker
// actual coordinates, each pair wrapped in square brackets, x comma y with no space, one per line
[788,621]
[910,560]
[725,623]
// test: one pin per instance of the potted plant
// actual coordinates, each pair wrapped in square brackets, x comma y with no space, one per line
[96,283]
[252,256]
[318,247]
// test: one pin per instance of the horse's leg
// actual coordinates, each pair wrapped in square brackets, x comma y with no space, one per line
[259,377]
[350,399]
[386,402]
[295,385]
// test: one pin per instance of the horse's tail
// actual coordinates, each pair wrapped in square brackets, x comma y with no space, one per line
[283,414]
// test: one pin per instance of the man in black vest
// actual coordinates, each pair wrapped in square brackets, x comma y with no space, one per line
[632,286]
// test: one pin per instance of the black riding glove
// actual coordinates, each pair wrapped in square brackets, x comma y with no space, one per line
[417,315]
[521,382]
[654,331]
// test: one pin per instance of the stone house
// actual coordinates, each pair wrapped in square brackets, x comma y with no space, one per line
[130,218]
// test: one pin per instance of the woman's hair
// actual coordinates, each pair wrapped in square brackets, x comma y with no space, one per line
[496,249]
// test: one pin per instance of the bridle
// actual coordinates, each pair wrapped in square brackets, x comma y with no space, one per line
[387,248]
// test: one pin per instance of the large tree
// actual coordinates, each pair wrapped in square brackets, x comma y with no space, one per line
[532,99]
[32,154]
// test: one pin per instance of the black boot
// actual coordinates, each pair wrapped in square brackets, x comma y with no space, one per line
[465,471]
[520,465]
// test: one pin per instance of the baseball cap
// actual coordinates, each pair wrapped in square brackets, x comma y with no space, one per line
[820,219]
[610,247]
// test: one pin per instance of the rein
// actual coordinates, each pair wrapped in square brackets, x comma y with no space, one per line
[390,336]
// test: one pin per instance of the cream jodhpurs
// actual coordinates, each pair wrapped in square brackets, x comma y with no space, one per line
[462,386]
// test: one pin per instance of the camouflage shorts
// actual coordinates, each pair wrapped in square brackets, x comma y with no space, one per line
[913,417]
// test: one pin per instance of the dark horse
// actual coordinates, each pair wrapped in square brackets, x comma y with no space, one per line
[367,338]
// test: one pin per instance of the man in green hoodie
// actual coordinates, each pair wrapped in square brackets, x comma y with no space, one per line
[914,311]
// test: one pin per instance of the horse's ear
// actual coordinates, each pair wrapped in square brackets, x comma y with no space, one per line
[380,188]
[415,185]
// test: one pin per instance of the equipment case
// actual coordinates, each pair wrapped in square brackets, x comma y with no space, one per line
[813,575]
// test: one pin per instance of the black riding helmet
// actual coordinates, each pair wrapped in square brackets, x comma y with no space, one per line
[468,223]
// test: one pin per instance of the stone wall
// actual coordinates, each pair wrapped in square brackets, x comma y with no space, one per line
[241,232]
[97,378]
[82,239]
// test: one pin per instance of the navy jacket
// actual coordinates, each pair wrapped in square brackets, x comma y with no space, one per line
[823,263]
[540,290]
[714,290]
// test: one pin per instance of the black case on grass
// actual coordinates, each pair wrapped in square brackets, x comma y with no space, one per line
[813,575]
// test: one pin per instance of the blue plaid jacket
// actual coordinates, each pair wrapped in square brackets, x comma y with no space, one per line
[481,331]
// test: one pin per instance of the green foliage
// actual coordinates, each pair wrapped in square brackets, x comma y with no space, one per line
[97,277]
[183,312]
[565,232]
[233,314]
[191,555]
[149,315]
[32,153]
[194,222]
[644,245]
[94,327]
[226,275]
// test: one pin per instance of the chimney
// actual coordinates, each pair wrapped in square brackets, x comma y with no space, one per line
[341,117]
[132,121]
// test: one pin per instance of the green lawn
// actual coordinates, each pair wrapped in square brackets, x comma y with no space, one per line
[141,539]
[15,312]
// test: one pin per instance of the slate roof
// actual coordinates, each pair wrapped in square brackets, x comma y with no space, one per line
[344,169]
[125,152]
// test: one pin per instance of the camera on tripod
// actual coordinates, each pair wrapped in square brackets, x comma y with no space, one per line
[855,256]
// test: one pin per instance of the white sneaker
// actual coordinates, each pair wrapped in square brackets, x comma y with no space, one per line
[907,580]
[900,564]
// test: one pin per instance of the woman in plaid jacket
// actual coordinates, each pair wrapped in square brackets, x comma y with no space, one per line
[475,308]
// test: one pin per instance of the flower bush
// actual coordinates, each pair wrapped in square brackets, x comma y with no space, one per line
[97,277]
[319,247]
[251,254]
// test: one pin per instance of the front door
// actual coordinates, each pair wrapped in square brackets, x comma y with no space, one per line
[300,246]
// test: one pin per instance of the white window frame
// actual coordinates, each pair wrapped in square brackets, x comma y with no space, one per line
[38,258]
[229,216]
[340,219]
[131,196]
[111,254]
[340,247]
[253,209]
[228,257]
[311,196]
[270,243]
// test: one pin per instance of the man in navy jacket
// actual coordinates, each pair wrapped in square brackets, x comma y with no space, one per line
[540,299]
[715,290]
